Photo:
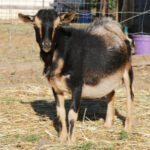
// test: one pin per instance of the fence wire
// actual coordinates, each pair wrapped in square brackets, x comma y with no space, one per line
[18,42]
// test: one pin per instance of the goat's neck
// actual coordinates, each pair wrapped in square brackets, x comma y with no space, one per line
[47,59]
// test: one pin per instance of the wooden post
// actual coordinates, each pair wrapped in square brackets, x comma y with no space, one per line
[117,9]
[104,8]
[42,3]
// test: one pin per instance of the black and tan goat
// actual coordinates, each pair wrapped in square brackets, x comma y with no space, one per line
[89,63]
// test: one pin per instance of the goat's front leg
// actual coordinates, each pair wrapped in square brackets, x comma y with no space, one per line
[73,112]
[61,114]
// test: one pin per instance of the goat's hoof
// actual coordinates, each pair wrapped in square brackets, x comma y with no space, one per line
[63,138]
[128,125]
[128,128]
[108,124]
[71,140]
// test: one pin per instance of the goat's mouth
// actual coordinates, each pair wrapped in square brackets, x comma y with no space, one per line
[46,50]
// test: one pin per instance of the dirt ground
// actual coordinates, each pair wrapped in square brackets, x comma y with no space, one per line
[27,107]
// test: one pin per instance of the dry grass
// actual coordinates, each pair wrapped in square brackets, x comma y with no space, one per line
[27,109]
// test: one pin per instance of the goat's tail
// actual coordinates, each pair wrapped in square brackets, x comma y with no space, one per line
[129,46]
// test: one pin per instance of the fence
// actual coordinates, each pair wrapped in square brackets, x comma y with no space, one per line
[10,8]
[18,40]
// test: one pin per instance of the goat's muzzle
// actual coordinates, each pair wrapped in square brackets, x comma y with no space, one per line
[46,46]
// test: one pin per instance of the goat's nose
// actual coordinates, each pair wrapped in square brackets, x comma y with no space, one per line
[46,44]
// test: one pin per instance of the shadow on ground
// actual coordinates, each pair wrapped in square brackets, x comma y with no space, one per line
[89,110]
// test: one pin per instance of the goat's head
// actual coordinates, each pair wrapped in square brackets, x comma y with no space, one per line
[45,22]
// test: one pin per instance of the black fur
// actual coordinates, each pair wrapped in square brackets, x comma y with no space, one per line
[47,17]
[71,127]
[131,82]
[128,47]
[86,59]
[84,53]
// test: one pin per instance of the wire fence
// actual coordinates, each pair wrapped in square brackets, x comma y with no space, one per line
[18,42]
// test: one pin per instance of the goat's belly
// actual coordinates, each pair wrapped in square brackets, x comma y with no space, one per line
[104,87]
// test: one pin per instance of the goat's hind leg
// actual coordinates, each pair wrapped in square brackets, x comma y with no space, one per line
[128,80]
[110,110]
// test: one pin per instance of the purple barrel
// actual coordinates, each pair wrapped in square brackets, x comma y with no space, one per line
[142,44]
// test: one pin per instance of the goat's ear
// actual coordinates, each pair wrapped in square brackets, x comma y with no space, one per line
[67,17]
[26,18]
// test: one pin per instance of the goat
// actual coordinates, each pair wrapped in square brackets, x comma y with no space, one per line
[89,63]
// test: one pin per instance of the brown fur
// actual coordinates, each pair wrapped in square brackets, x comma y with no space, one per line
[72,116]
[61,113]
[110,110]
[130,102]
[107,29]
[59,83]
[57,22]
[26,18]
[55,55]
[65,18]
[38,23]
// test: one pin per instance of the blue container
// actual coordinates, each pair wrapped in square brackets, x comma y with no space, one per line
[85,17]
